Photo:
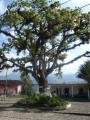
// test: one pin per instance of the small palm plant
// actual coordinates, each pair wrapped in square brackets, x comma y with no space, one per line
[27,88]
[84,73]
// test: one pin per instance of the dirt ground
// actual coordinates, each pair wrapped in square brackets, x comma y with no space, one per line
[78,111]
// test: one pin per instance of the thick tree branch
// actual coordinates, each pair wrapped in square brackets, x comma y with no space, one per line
[7,34]
[58,52]
[76,58]
[70,48]
[50,70]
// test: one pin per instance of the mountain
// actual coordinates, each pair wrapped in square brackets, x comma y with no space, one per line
[13,76]
[16,76]
[65,79]
[52,79]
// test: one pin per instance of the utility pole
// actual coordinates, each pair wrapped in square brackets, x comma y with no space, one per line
[6,84]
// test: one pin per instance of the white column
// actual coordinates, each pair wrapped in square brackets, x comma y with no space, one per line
[88,94]
[72,90]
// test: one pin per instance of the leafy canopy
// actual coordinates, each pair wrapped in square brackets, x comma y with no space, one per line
[45,32]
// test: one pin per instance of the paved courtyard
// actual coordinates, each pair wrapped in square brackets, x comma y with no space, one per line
[78,111]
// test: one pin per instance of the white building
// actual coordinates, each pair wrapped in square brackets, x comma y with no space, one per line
[65,86]
[68,86]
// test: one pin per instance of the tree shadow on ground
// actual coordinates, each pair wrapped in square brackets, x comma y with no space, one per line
[40,110]
[77,99]
[77,114]
[21,109]
[26,109]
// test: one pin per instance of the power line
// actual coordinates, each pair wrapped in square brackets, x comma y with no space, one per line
[65,2]
[84,6]
[79,7]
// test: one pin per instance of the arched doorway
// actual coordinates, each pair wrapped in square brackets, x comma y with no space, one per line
[66,92]
[81,92]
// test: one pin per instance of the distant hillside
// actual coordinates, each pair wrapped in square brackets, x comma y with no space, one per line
[16,76]
[65,79]
[52,79]
[13,76]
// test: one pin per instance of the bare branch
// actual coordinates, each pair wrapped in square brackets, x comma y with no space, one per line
[70,48]
[71,61]
[76,58]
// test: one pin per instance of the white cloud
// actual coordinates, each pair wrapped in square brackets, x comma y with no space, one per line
[2,6]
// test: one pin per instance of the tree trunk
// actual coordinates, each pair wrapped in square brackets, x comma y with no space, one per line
[88,93]
[45,88]
[43,84]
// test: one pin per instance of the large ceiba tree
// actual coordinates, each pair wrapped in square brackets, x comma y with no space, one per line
[45,32]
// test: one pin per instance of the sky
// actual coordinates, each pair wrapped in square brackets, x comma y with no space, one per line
[72,68]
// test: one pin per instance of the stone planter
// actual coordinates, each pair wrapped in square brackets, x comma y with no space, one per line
[64,107]
[68,105]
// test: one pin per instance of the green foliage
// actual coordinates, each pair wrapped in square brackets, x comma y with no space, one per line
[27,87]
[46,31]
[40,101]
[84,71]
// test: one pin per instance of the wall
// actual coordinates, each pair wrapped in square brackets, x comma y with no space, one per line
[11,90]
[60,89]
[19,89]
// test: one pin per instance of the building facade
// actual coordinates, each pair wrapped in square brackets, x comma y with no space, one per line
[70,90]
[68,86]
[10,87]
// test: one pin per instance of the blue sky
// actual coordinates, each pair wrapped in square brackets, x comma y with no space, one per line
[72,68]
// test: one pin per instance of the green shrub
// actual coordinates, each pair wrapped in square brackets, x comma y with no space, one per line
[55,101]
[40,100]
